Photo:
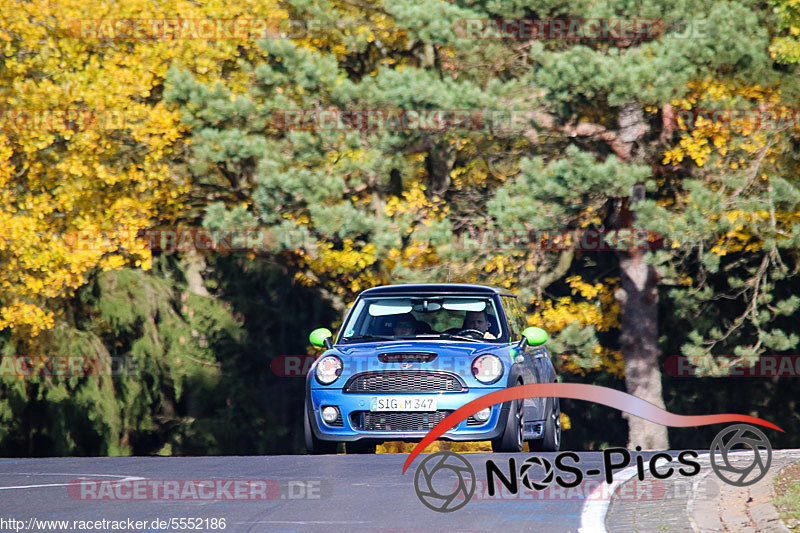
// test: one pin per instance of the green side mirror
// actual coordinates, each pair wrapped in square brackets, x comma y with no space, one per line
[321,337]
[535,336]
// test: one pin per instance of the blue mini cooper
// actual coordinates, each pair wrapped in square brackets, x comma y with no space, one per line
[409,355]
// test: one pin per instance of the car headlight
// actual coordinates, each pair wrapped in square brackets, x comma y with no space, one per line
[328,369]
[487,368]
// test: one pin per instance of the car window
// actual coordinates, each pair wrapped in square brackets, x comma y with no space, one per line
[516,317]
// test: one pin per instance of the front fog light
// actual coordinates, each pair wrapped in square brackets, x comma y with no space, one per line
[483,415]
[330,414]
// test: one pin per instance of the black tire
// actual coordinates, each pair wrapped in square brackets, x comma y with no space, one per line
[313,444]
[359,447]
[551,436]
[511,438]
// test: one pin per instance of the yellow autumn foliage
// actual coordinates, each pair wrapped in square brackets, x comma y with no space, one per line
[85,140]
[596,307]
[744,138]
[702,135]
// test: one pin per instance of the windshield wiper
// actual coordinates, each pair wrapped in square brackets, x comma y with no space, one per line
[369,337]
[459,337]
[404,337]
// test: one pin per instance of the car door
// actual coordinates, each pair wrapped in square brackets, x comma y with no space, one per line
[530,361]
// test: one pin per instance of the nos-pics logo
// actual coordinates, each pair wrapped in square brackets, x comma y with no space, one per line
[445,481]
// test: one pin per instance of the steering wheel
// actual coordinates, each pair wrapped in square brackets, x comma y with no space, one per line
[471,331]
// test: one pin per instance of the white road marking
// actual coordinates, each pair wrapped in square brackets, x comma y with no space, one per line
[74,476]
[593,515]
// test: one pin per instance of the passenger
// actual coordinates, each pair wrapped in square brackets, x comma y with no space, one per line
[405,326]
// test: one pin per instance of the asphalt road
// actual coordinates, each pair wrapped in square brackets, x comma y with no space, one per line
[305,493]
[353,493]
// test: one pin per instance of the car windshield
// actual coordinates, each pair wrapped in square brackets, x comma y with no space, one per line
[466,318]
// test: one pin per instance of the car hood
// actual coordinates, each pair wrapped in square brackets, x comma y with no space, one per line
[442,348]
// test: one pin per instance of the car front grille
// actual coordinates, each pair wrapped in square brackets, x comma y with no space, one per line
[414,381]
[396,420]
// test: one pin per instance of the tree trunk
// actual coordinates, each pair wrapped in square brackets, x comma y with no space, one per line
[195,263]
[638,297]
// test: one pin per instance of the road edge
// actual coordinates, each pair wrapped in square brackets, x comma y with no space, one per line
[593,514]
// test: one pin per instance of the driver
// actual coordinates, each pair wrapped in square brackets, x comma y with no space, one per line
[478,320]
[405,325]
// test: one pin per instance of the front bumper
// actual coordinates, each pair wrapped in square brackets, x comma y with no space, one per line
[353,403]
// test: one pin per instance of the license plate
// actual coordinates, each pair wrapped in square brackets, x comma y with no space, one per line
[403,403]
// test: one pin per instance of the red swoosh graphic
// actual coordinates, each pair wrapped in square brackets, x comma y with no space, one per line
[579,391]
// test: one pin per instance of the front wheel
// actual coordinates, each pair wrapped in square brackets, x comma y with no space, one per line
[551,436]
[313,444]
[511,438]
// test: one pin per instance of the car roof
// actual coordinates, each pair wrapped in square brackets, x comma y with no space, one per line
[438,288]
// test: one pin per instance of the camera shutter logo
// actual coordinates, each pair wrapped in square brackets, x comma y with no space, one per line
[448,463]
[546,479]
[750,437]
